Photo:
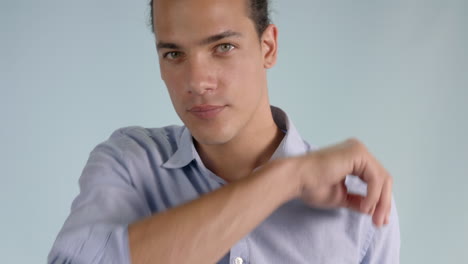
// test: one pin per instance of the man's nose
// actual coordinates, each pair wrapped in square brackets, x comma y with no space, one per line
[200,76]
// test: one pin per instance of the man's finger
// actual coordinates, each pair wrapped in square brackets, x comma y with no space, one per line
[374,189]
[384,205]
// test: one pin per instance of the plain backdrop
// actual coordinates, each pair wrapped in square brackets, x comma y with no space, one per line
[392,73]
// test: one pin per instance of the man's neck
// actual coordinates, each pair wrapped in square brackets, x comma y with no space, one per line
[241,155]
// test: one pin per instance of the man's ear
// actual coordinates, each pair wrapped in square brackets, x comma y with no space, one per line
[269,43]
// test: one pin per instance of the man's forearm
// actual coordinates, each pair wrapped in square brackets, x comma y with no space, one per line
[203,230]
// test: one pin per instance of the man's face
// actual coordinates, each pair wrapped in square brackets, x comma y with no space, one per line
[214,66]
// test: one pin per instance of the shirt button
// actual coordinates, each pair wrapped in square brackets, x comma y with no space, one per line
[238,260]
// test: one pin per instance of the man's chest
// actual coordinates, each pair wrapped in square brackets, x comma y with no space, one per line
[298,234]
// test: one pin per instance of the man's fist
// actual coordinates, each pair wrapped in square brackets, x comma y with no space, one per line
[322,177]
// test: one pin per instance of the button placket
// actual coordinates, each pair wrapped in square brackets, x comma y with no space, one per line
[238,260]
[240,252]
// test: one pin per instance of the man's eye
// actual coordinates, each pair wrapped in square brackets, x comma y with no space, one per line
[223,48]
[172,55]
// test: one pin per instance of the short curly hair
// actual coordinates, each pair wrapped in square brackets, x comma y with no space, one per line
[257,10]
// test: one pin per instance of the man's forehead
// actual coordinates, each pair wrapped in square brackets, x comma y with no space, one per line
[165,3]
[196,20]
[199,6]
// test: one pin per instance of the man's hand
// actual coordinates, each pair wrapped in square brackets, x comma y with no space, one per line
[322,180]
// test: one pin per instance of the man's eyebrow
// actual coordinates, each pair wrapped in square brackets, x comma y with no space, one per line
[167,45]
[206,41]
[214,38]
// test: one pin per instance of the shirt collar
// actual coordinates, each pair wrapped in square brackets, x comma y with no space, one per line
[185,152]
[291,145]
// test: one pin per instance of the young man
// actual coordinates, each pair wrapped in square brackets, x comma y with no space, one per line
[236,184]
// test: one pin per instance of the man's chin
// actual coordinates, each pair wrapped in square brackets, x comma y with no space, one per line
[217,132]
[210,140]
[211,137]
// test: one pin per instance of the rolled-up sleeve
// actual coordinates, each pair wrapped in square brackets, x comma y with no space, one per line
[96,229]
[384,243]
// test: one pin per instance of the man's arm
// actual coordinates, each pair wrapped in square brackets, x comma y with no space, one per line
[203,230]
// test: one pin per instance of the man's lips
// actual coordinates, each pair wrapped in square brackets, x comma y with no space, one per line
[204,108]
[206,111]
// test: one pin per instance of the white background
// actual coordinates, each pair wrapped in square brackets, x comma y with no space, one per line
[392,73]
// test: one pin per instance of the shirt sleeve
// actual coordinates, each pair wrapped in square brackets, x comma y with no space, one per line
[384,246]
[96,229]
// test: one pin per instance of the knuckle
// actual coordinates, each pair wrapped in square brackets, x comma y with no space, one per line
[353,141]
[390,180]
[357,145]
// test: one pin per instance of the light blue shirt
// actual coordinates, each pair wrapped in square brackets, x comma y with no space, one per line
[139,171]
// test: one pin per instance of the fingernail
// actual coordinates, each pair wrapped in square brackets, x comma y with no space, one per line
[378,222]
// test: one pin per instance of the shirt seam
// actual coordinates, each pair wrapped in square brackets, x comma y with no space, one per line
[367,244]
[123,156]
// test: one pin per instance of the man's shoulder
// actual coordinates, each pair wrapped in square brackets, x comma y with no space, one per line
[166,133]
[138,139]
